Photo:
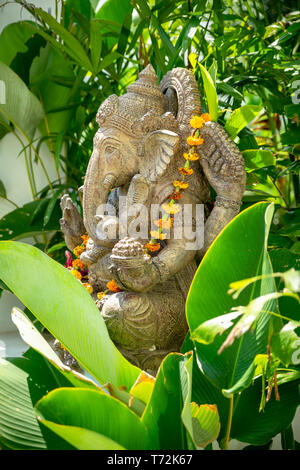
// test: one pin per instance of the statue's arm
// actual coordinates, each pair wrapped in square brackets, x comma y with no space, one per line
[220,216]
[71,223]
[223,165]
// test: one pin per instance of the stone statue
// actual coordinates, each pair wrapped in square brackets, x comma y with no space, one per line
[137,151]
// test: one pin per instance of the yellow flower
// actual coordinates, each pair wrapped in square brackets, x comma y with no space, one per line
[171,208]
[100,295]
[157,235]
[197,122]
[191,156]
[194,140]
[78,250]
[88,287]
[180,184]
[76,274]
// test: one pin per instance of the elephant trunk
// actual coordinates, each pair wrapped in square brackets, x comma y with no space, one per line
[97,185]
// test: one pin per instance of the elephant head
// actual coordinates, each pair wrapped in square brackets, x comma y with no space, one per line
[139,132]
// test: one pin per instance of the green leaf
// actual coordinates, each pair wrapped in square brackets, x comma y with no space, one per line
[65,308]
[210,93]
[72,6]
[2,190]
[51,206]
[21,107]
[240,118]
[227,89]
[56,247]
[96,412]
[248,423]
[108,60]
[207,331]
[42,375]
[19,224]
[49,66]
[287,439]
[202,422]
[114,11]
[258,367]
[162,415]
[257,428]
[95,44]
[13,40]
[71,45]
[19,428]
[285,345]
[213,69]
[82,439]
[257,158]
[250,315]
[143,387]
[33,338]
[206,423]
[238,252]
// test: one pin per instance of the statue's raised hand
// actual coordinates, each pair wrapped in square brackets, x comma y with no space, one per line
[222,162]
[71,223]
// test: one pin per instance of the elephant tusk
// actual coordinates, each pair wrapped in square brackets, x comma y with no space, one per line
[109,181]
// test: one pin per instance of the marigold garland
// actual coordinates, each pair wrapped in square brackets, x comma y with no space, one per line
[161,223]
[186,171]
[191,156]
[112,286]
[77,264]
[197,122]
[194,140]
[78,250]
[76,274]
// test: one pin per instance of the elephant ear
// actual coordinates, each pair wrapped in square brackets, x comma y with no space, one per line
[158,151]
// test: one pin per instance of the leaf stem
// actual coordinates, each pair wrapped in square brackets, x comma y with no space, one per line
[229,422]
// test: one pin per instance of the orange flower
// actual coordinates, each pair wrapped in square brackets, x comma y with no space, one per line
[197,122]
[85,239]
[111,285]
[194,140]
[88,287]
[175,196]
[180,184]
[191,156]
[162,223]
[171,208]
[78,250]
[205,117]
[157,235]
[76,274]
[152,246]
[77,264]
[186,171]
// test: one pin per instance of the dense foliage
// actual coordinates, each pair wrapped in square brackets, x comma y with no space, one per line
[241,384]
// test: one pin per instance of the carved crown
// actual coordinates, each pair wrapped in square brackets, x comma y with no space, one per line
[148,107]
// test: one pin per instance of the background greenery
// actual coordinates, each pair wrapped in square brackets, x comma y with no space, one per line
[245,57]
[60,70]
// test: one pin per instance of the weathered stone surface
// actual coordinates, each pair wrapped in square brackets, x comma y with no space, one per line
[137,151]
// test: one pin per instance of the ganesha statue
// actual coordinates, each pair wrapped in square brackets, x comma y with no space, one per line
[138,149]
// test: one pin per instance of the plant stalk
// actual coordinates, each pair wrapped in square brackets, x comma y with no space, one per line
[229,422]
